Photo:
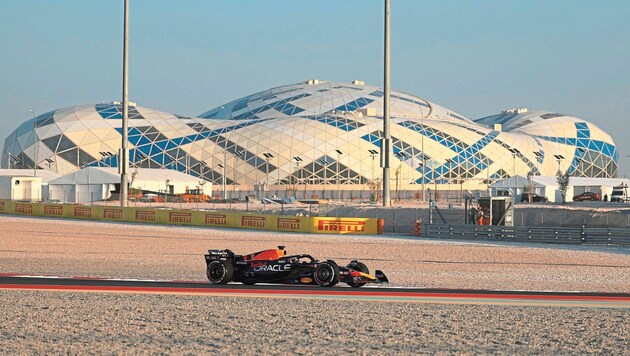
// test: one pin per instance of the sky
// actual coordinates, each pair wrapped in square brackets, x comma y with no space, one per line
[186,57]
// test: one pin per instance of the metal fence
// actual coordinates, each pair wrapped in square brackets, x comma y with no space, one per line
[540,234]
[402,219]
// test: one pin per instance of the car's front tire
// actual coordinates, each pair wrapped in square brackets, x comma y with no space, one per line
[326,274]
[219,272]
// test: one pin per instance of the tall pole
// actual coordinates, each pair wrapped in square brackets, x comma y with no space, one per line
[36,143]
[223,177]
[386,146]
[124,159]
[423,156]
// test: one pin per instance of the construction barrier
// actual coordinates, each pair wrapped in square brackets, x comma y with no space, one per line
[417,228]
[239,220]
[380,225]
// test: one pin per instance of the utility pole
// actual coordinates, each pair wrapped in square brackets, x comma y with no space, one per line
[123,162]
[339,153]
[386,144]
[424,162]
[36,143]
[223,177]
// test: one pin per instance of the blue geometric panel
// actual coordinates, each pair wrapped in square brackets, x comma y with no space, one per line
[241,104]
[282,105]
[448,136]
[354,105]
[438,136]
[339,122]
[466,164]
[374,138]
[44,119]
[583,139]
[582,144]
[156,150]
[114,111]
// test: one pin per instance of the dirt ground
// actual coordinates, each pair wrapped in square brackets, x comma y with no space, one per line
[99,249]
[82,323]
[56,322]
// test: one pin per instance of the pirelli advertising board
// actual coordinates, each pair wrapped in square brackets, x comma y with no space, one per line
[271,222]
[343,226]
[300,224]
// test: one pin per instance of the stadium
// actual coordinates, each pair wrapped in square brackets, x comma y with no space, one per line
[318,134]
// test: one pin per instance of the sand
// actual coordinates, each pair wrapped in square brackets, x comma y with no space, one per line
[65,322]
[99,249]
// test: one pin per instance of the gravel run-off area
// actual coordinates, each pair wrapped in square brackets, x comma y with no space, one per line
[65,322]
[83,323]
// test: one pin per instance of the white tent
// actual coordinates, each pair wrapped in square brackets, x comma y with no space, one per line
[547,186]
[97,183]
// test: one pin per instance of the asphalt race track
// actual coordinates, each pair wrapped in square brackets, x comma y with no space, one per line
[416,295]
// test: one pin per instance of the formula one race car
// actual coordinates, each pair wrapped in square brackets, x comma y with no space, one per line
[274,266]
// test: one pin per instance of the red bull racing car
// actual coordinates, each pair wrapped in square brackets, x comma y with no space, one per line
[274,266]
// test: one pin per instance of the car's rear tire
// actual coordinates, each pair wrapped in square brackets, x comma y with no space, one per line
[326,274]
[219,272]
[361,267]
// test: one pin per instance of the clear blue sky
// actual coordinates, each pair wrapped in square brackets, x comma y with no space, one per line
[475,57]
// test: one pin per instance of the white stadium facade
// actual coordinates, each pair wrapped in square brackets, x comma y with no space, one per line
[318,133]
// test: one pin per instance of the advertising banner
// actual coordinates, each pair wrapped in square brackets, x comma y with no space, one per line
[25,208]
[144,215]
[83,212]
[355,226]
[291,224]
[301,224]
[215,219]
[110,213]
[7,207]
[53,210]
[253,221]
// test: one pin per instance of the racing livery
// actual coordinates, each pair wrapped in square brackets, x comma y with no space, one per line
[274,266]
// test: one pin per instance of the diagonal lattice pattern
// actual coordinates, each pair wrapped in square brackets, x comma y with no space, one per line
[316,133]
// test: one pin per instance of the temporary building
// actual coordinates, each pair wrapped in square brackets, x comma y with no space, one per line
[98,183]
[25,184]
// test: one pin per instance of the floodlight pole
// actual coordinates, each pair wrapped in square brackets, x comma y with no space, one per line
[424,160]
[224,173]
[36,143]
[386,144]
[124,159]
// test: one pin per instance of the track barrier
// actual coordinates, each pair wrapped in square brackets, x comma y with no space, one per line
[240,220]
[541,234]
